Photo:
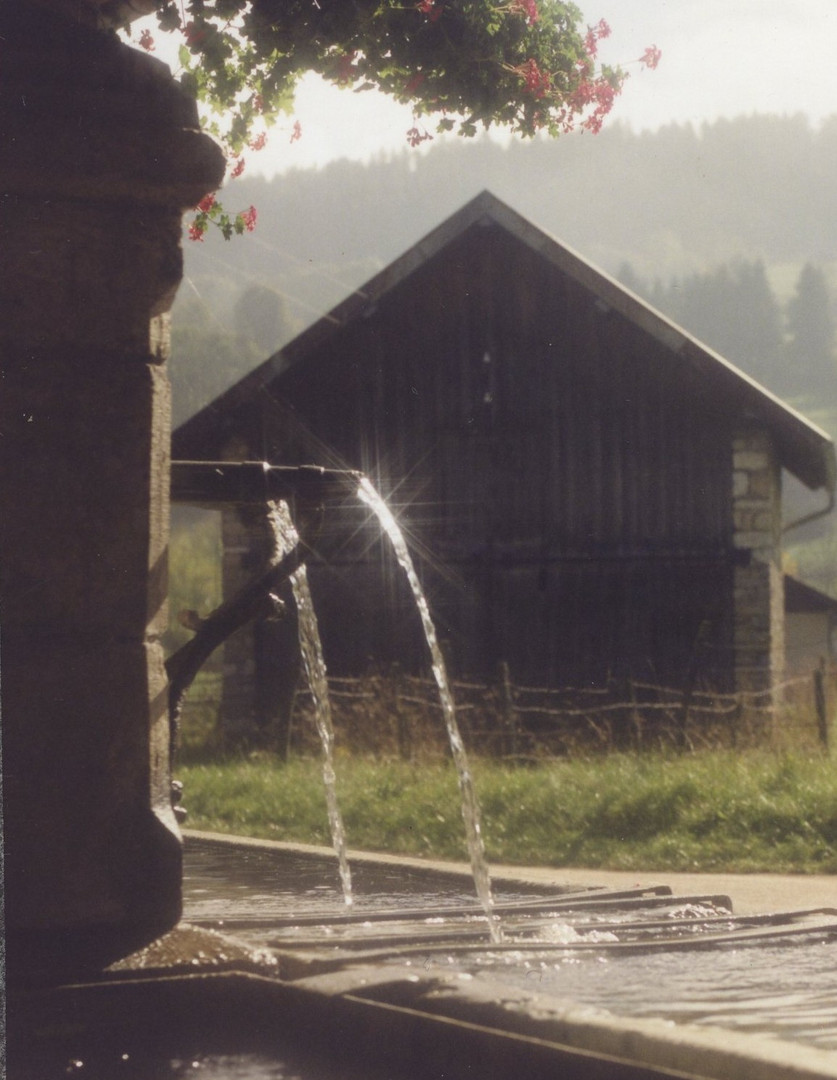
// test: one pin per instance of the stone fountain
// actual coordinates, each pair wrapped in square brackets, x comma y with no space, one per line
[102,154]
[107,154]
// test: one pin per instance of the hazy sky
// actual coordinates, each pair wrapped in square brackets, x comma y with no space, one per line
[720,58]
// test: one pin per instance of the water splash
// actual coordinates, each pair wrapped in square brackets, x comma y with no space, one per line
[470,807]
[311,648]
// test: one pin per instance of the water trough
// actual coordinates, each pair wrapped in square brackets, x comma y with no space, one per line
[272,976]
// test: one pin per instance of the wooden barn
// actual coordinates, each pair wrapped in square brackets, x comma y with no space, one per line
[810,627]
[589,491]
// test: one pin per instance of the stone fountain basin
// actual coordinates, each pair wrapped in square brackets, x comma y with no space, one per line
[269,994]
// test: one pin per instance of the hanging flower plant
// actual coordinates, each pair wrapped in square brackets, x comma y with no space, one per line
[528,65]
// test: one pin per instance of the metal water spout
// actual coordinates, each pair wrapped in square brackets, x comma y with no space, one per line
[247,484]
[216,484]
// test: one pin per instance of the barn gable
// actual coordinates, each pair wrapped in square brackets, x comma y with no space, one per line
[806,450]
[596,492]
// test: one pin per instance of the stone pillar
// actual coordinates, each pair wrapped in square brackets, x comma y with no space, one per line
[758,585]
[101,153]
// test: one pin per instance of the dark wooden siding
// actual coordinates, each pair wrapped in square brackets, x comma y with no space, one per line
[565,473]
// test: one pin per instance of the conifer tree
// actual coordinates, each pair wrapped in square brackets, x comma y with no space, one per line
[810,351]
[733,309]
[261,317]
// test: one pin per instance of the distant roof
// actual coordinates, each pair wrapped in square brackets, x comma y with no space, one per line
[805,450]
[800,597]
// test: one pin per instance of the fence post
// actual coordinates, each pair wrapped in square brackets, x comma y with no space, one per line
[735,721]
[636,715]
[403,735]
[507,710]
[820,703]
[682,722]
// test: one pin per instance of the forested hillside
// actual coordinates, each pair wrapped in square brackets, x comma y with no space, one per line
[731,230]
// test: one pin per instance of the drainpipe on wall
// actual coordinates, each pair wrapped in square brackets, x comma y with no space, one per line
[814,516]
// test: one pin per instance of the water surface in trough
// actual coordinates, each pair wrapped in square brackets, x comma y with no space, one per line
[224,881]
[787,990]
[778,988]
[107,1063]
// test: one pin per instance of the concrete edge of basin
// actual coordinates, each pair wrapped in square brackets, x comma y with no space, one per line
[662,1047]
[672,1048]
[456,871]
[751,893]
[415,1030]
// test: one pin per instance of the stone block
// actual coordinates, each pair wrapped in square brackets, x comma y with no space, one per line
[107,278]
[107,153]
[753,540]
[750,460]
[95,120]
[751,438]
[758,624]
[740,483]
[766,521]
[762,485]
[90,837]
[85,533]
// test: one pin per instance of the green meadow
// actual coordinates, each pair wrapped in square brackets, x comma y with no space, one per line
[708,811]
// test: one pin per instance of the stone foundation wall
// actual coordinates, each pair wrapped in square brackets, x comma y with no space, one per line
[758,589]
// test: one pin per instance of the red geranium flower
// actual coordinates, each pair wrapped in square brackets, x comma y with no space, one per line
[431,8]
[248,218]
[194,34]
[527,8]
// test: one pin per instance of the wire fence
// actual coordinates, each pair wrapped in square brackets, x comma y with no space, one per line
[392,714]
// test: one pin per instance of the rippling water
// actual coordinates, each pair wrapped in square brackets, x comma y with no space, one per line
[225,881]
[787,990]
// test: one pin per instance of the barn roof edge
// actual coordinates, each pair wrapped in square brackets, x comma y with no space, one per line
[807,451]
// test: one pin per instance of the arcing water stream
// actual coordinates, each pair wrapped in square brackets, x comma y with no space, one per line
[312,657]
[312,653]
[470,807]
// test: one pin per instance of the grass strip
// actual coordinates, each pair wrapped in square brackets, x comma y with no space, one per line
[715,811]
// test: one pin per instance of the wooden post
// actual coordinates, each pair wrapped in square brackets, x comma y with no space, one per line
[508,711]
[735,721]
[820,703]
[680,735]
[636,715]
[402,727]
